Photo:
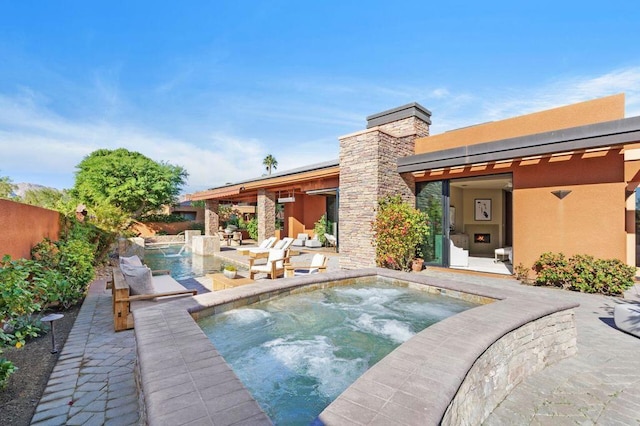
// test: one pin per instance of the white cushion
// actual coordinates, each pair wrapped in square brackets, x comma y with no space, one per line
[266,242]
[275,254]
[165,284]
[314,243]
[138,278]
[318,260]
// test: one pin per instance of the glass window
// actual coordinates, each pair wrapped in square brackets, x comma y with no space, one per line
[430,199]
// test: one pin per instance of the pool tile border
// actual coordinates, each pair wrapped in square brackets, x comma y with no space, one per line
[184,379]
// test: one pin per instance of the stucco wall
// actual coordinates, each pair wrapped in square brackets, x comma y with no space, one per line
[303,214]
[590,220]
[589,112]
[23,226]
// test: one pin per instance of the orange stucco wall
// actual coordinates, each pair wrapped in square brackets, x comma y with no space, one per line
[22,226]
[583,113]
[301,216]
[590,220]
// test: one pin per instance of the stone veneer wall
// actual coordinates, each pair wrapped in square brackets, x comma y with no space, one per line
[211,218]
[266,212]
[510,360]
[368,172]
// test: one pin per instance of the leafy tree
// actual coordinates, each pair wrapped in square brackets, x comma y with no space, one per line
[127,180]
[270,162]
[6,187]
[49,198]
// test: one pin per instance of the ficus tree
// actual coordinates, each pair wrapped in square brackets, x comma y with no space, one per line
[399,230]
[127,180]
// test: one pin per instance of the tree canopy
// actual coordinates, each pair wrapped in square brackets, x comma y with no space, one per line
[270,162]
[6,187]
[127,180]
[49,198]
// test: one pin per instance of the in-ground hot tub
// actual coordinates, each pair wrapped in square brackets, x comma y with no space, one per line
[455,371]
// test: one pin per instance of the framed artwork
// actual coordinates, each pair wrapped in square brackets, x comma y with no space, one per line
[482,209]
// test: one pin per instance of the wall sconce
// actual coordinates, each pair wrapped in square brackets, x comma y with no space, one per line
[561,193]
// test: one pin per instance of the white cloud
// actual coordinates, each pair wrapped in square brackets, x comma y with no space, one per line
[33,137]
[497,103]
[299,127]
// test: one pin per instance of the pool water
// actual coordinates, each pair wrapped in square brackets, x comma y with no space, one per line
[182,263]
[297,353]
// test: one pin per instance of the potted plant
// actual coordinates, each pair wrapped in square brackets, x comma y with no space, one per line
[416,265]
[418,261]
[230,271]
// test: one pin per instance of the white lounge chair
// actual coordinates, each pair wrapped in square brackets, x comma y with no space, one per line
[313,243]
[283,244]
[300,239]
[274,266]
[331,240]
[318,265]
[264,247]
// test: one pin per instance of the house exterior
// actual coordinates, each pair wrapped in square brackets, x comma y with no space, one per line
[561,180]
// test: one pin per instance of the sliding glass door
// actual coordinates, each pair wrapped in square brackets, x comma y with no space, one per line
[433,199]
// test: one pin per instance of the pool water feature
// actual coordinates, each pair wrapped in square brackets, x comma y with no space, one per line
[182,263]
[297,353]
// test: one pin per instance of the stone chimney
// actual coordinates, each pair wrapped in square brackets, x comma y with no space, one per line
[369,172]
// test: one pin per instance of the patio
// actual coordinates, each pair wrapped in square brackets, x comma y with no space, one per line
[597,386]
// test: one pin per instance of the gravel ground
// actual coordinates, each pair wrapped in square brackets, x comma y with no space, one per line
[35,362]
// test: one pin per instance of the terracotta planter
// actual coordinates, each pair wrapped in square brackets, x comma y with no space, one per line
[417,264]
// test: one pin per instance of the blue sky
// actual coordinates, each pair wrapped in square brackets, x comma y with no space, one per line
[216,86]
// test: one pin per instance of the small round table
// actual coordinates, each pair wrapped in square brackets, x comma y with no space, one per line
[50,319]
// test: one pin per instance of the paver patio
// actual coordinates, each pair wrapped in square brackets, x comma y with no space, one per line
[93,381]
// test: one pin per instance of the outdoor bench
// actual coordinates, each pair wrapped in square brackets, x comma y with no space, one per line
[164,284]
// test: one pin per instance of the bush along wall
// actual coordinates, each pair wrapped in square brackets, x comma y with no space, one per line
[59,273]
[584,273]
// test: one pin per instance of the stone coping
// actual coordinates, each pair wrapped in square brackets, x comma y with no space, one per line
[184,379]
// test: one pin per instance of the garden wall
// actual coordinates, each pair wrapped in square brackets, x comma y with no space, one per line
[150,229]
[22,226]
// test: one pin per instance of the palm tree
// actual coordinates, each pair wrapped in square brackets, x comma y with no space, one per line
[270,162]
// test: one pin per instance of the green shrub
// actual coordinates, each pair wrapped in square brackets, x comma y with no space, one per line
[584,273]
[163,218]
[320,228]
[196,226]
[67,268]
[6,370]
[252,228]
[399,229]
[21,295]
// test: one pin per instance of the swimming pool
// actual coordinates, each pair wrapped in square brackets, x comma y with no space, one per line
[297,353]
[182,262]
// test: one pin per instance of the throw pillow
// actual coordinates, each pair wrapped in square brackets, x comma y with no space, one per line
[132,260]
[138,278]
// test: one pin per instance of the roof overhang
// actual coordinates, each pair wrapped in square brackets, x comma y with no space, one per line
[610,133]
[301,179]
